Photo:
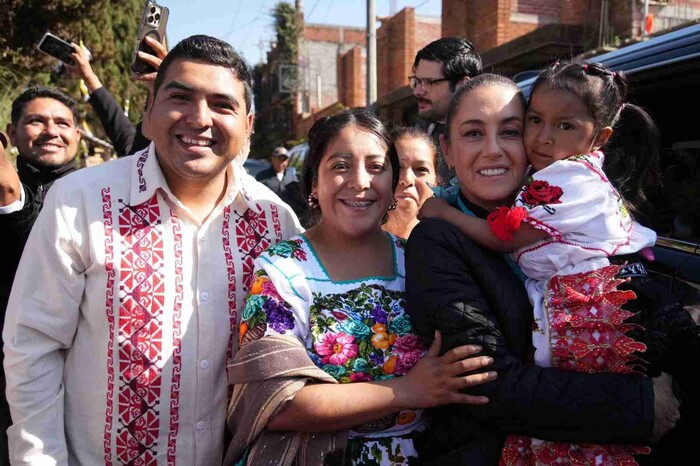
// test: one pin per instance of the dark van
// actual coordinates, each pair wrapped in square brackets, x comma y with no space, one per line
[664,76]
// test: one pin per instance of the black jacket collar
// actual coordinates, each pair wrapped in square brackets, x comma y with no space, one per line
[33,176]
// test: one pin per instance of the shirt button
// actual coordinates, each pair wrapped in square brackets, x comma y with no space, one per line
[204,296]
[201,425]
[204,364]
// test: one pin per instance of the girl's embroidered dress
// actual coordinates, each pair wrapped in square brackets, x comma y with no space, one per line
[579,323]
[354,330]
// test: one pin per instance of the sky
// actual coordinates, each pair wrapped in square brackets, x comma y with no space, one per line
[248,24]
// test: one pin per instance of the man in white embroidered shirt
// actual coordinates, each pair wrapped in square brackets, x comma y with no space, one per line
[124,309]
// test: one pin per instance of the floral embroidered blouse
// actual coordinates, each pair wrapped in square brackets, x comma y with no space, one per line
[354,330]
[584,215]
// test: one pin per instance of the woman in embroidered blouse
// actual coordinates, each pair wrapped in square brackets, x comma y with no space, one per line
[472,296]
[338,289]
[417,155]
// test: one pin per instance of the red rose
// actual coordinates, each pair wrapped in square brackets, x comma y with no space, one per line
[504,222]
[539,192]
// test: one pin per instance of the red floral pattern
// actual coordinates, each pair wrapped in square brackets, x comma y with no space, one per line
[587,335]
[540,192]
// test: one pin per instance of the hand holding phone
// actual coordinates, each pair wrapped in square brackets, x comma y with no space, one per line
[57,48]
[153,23]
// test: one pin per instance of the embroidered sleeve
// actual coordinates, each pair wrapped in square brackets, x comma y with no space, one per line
[279,296]
[265,311]
[570,196]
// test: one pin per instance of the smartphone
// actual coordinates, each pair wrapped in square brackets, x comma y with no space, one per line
[57,48]
[153,22]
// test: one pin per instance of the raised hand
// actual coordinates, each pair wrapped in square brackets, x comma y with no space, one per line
[154,60]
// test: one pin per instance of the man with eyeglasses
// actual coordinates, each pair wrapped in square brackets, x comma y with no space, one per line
[437,70]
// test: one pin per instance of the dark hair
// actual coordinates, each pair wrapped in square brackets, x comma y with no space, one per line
[405,132]
[41,92]
[457,55]
[632,154]
[325,130]
[213,52]
[486,79]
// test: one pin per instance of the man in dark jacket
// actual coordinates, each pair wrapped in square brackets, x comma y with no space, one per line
[283,181]
[43,129]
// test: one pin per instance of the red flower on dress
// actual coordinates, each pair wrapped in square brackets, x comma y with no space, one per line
[504,222]
[540,192]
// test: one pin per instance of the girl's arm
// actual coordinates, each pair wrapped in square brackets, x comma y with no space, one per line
[433,381]
[479,229]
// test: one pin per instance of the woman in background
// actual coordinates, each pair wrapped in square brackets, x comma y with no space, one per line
[417,156]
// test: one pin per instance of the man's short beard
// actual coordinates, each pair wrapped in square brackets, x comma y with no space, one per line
[431,116]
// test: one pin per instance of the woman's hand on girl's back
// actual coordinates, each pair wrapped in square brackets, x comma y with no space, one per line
[437,380]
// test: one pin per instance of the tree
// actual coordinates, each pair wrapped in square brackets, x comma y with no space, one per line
[273,126]
[107,28]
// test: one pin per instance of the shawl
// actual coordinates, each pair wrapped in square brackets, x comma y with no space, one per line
[268,372]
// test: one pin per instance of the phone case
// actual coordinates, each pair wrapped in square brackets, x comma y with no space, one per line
[153,26]
[57,48]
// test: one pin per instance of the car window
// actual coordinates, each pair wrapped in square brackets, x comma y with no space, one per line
[674,209]
[297,154]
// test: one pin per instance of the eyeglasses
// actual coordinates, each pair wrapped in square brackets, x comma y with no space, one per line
[425,83]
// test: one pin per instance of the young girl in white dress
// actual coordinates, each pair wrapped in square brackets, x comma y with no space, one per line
[565,223]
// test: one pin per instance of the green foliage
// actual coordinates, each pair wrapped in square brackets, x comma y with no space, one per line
[274,111]
[107,28]
[287,29]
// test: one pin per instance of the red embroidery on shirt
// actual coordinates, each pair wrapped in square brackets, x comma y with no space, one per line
[109,311]
[252,239]
[231,274]
[140,337]
[276,223]
[139,168]
[177,344]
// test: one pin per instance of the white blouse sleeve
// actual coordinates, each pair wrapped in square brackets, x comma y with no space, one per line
[278,301]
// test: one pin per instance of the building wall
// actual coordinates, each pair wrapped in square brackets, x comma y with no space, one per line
[320,47]
[352,77]
[336,34]
[489,24]
[398,40]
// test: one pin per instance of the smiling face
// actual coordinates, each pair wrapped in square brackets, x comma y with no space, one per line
[433,103]
[45,134]
[558,126]
[353,186]
[198,122]
[486,145]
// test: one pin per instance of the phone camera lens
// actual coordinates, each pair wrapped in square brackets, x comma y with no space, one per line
[157,16]
[153,9]
[150,19]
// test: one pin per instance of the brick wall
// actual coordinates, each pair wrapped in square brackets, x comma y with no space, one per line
[335,34]
[398,40]
[455,16]
[320,47]
[352,77]
[302,124]
[541,7]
